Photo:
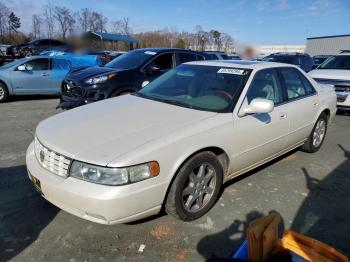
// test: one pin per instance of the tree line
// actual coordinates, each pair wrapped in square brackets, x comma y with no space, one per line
[60,22]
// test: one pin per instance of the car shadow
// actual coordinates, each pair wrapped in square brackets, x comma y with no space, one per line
[18,98]
[23,212]
[323,215]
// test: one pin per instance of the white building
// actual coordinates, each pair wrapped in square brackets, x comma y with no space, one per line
[327,45]
[269,49]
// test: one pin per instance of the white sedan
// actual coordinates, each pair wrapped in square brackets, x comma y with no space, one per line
[175,142]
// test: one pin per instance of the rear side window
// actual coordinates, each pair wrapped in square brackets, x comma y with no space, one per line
[187,57]
[293,83]
[265,85]
[310,90]
[200,57]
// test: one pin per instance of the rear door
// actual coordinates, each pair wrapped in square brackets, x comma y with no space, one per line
[303,102]
[260,136]
[35,80]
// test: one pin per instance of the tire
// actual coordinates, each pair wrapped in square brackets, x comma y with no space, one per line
[4,93]
[186,205]
[315,139]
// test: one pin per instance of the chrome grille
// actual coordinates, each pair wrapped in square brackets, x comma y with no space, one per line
[50,160]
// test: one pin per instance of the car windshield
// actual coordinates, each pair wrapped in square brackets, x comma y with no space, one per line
[337,62]
[288,59]
[14,63]
[131,59]
[207,88]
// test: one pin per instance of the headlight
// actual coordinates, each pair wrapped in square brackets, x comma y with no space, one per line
[114,176]
[99,79]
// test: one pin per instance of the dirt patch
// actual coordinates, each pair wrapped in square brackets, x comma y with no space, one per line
[161,231]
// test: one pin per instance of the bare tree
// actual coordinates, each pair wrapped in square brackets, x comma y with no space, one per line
[36,26]
[84,19]
[122,26]
[49,19]
[4,15]
[97,22]
[65,20]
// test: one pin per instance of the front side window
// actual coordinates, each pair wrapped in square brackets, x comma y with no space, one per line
[265,85]
[208,88]
[38,64]
[341,62]
[293,83]
[164,61]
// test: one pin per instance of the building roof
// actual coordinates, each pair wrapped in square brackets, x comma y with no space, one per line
[328,36]
[114,37]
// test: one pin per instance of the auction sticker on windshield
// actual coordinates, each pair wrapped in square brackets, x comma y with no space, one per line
[232,71]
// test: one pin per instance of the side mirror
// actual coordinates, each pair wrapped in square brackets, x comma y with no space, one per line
[22,68]
[258,105]
[152,69]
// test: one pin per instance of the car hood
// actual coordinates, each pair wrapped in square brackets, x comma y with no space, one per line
[88,72]
[100,132]
[330,74]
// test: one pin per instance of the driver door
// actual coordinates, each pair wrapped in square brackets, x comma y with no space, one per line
[36,79]
[260,136]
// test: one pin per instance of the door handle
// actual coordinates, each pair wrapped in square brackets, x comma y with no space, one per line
[283,115]
[44,74]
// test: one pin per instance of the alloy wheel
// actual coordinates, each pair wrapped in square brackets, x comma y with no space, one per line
[319,132]
[2,93]
[199,188]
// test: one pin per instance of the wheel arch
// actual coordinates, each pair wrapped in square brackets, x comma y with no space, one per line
[126,87]
[6,85]
[221,154]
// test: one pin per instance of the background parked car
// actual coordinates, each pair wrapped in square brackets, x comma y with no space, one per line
[36,46]
[319,59]
[216,55]
[125,74]
[336,71]
[38,74]
[304,61]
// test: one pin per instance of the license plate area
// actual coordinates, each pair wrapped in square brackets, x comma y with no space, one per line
[36,183]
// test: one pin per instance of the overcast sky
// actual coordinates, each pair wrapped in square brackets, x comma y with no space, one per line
[260,21]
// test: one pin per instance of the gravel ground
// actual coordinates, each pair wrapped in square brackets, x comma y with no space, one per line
[311,191]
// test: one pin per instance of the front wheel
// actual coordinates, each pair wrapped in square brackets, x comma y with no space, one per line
[4,94]
[317,136]
[195,188]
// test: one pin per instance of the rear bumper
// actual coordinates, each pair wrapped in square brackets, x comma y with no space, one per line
[98,203]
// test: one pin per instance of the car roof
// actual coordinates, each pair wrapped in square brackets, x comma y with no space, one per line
[246,64]
[164,49]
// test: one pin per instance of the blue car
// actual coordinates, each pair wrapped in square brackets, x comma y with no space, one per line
[39,75]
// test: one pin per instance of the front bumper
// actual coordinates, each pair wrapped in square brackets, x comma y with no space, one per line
[343,100]
[98,203]
[74,94]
